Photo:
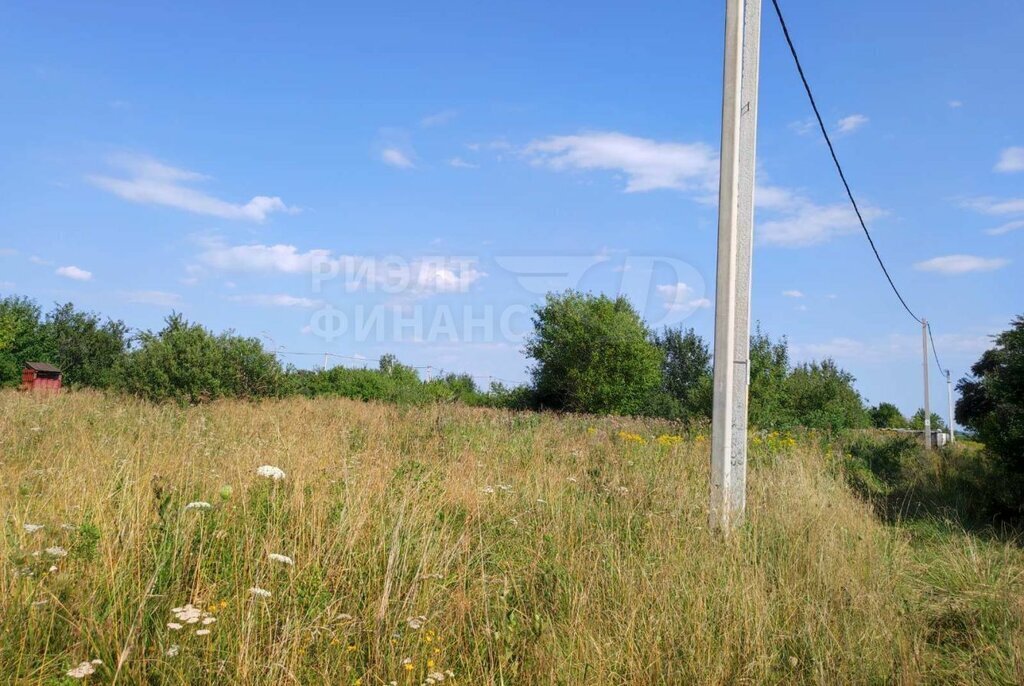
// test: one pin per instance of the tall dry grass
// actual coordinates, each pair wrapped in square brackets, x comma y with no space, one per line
[527,549]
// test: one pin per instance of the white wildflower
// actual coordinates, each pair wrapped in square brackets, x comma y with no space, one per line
[416,622]
[83,670]
[53,569]
[190,614]
[505,487]
[32,528]
[56,551]
[487,489]
[35,428]
[270,472]
[209,620]
[173,626]
[173,650]
[438,677]
[283,559]
[202,632]
[258,592]
[198,505]
[97,662]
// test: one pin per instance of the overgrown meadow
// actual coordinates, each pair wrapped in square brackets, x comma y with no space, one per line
[334,541]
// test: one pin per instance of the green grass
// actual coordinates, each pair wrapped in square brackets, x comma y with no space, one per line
[539,550]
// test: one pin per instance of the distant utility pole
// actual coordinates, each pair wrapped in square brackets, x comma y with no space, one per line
[735,236]
[949,401]
[927,405]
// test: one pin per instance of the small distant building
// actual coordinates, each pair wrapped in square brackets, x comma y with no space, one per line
[40,376]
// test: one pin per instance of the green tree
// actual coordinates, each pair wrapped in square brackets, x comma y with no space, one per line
[685,370]
[822,396]
[187,363]
[592,354]
[917,421]
[84,347]
[991,400]
[21,338]
[769,367]
[887,416]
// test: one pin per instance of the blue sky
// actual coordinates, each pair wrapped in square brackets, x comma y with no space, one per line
[280,169]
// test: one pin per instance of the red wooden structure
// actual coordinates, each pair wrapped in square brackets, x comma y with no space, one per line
[40,376]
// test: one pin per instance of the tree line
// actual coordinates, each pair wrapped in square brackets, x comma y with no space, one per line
[590,353]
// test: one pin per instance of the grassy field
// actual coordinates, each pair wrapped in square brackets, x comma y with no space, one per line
[447,544]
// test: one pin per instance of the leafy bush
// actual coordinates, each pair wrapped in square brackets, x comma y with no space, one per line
[887,416]
[593,354]
[685,375]
[21,338]
[769,367]
[85,348]
[822,396]
[187,363]
[991,404]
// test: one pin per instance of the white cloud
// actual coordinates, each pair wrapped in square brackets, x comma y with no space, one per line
[989,205]
[793,294]
[460,163]
[158,298]
[73,272]
[152,182]
[35,259]
[1006,228]
[276,300]
[438,118]
[885,349]
[418,276]
[648,164]
[1011,160]
[793,220]
[961,264]
[439,275]
[852,123]
[281,258]
[801,222]
[679,297]
[955,104]
[396,158]
[803,127]
[7,252]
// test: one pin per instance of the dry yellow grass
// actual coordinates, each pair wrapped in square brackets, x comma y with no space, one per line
[527,549]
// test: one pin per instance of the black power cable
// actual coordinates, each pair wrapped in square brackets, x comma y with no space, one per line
[839,168]
[936,352]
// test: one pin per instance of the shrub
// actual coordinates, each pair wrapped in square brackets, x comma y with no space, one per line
[991,404]
[21,338]
[592,354]
[685,375]
[186,363]
[822,396]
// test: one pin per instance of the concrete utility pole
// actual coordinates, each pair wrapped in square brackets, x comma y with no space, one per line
[732,289]
[949,401]
[927,406]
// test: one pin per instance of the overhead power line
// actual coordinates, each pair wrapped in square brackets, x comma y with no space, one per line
[839,168]
[942,370]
